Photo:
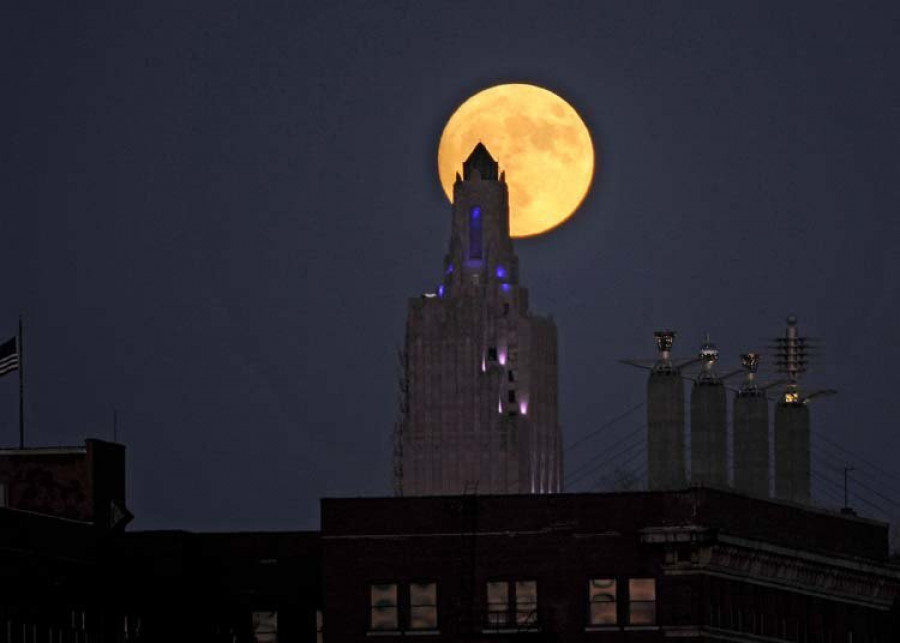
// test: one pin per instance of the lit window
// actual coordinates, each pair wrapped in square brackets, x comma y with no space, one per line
[423,606]
[383,607]
[602,597]
[498,604]
[641,601]
[265,627]
[526,602]
[475,233]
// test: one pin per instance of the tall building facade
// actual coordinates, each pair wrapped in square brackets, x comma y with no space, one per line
[479,387]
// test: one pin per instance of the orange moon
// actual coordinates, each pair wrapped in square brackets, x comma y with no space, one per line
[540,142]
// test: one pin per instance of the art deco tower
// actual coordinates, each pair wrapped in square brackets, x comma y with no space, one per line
[479,389]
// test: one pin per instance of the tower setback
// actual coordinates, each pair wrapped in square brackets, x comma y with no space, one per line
[479,390]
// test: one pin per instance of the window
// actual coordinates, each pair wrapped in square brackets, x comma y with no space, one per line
[383,607]
[492,354]
[641,601]
[265,627]
[511,376]
[511,395]
[475,250]
[602,599]
[512,604]
[423,606]
[526,602]
[498,604]
[320,631]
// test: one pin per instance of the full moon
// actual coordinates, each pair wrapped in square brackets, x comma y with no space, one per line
[540,142]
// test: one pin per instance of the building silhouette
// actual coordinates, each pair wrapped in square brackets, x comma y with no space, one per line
[479,388]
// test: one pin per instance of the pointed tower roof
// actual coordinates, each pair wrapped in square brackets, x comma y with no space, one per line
[480,159]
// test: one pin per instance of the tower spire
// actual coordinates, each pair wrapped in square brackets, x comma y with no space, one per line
[482,161]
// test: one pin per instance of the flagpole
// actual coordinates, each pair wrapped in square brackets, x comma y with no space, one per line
[21,387]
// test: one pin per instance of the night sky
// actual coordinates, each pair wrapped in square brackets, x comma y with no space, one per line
[213,216]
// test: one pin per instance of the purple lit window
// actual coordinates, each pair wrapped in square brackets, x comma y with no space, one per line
[441,290]
[501,272]
[475,251]
[449,269]
[505,287]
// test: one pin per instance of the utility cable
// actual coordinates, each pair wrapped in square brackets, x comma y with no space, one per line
[604,426]
[879,509]
[608,457]
[600,480]
[859,458]
[588,463]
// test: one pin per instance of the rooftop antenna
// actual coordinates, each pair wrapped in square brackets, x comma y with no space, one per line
[792,421]
[792,355]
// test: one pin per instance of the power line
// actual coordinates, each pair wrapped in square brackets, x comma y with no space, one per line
[878,508]
[609,456]
[828,451]
[859,458]
[602,463]
[605,426]
[603,454]
[621,467]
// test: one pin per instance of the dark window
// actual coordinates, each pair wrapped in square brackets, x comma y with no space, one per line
[498,604]
[475,249]
[492,354]
[526,603]
[511,395]
[511,376]
[512,604]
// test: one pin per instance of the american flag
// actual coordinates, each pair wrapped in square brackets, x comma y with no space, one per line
[9,356]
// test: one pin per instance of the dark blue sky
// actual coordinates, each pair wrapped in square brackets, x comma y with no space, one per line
[213,214]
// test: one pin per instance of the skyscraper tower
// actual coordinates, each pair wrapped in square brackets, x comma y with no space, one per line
[479,388]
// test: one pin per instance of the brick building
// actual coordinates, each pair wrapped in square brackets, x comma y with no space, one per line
[694,565]
[84,483]
[698,564]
